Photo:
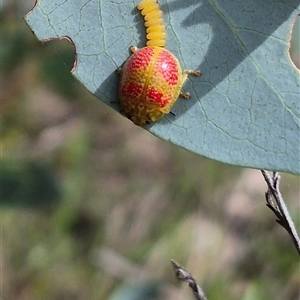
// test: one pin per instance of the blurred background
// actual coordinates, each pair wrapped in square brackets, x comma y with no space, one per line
[94,207]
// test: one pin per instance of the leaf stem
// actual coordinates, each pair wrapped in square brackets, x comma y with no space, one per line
[184,275]
[278,207]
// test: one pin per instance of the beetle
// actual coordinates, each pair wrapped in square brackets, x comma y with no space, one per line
[151,78]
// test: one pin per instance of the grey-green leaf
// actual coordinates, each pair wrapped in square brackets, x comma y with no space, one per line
[244,110]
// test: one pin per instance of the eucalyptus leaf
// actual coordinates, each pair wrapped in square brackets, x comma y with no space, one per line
[244,110]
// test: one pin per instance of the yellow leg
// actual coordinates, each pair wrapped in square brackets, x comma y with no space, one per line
[185,95]
[133,49]
[185,75]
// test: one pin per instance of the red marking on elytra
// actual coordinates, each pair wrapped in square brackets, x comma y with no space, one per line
[155,96]
[140,59]
[132,90]
[168,67]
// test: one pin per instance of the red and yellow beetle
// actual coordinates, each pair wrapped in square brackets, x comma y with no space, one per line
[151,79]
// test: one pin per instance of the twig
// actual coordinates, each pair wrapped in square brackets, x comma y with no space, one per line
[278,207]
[184,275]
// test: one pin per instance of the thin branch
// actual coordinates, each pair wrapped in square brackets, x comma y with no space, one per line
[184,275]
[278,206]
